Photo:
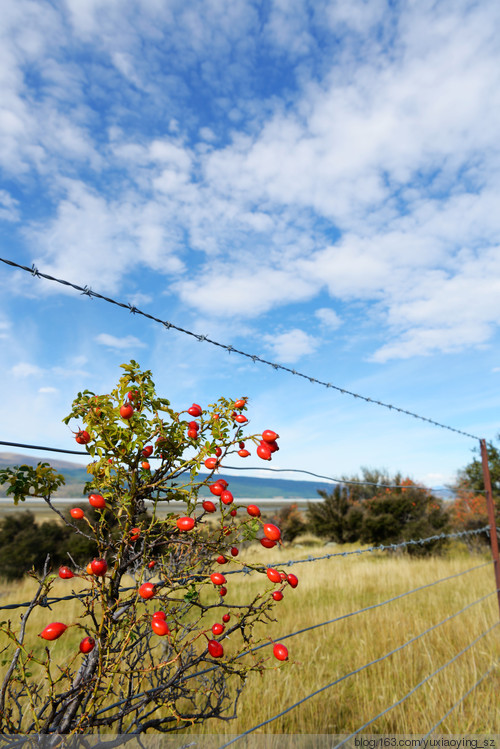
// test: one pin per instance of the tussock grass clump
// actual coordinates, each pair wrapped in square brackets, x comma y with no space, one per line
[333,589]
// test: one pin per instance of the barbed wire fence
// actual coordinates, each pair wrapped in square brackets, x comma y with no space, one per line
[87,291]
[491,530]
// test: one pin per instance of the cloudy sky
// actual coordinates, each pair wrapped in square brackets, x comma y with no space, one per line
[312,181]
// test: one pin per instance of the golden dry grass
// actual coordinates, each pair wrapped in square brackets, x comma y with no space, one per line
[332,588]
[338,586]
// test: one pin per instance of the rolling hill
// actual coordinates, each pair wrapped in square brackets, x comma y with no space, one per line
[243,486]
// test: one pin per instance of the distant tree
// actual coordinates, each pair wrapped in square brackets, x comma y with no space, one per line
[379,509]
[404,514]
[290,520]
[24,544]
[338,517]
[468,512]
[471,477]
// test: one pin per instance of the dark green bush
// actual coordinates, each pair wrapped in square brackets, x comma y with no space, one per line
[25,544]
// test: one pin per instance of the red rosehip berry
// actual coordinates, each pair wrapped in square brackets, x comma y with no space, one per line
[263,451]
[97,501]
[267,543]
[126,411]
[160,626]
[87,644]
[226,497]
[99,567]
[217,578]
[53,631]
[185,524]
[82,437]
[215,649]
[272,532]
[147,590]
[269,436]
[280,652]
[273,575]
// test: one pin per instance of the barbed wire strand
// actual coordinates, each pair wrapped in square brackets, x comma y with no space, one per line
[462,698]
[339,618]
[87,291]
[293,634]
[341,481]
[335,480]
[42,447]
[356,671]
[435,489]
[246,570]
[417,686]
[382,547]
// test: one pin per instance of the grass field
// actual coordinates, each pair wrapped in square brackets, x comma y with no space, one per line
[331,588]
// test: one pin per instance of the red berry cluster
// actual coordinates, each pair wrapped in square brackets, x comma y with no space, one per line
[193,426]
[98,568]
[268,444]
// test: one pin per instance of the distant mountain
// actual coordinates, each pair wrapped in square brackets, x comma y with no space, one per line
[241,486]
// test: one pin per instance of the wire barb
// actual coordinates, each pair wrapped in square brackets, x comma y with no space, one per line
[88,292]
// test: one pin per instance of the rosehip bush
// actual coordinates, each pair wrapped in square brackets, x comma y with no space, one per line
[148,650]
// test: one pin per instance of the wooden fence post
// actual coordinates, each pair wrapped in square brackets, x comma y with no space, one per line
[491,516]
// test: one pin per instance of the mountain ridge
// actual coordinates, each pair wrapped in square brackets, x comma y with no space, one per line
[245,486]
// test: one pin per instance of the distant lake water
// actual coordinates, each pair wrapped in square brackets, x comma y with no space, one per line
[268,505]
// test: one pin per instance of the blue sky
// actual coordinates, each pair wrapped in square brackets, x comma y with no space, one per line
[313,182]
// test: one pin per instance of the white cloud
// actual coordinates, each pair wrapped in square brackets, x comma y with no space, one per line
[8,207]
[394,149]
[289,347]
[119,344]
[227,291]
[95,241]
[206,133]
[328,317]
[25,369]
[138,299]
[5,328]
[48,390]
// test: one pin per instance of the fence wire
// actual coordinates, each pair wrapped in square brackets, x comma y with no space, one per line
[461,699]
[331,621]
[417,686]
[361,668]
[341,481]
[48,602]
[87,291]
